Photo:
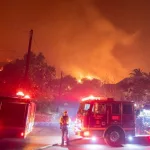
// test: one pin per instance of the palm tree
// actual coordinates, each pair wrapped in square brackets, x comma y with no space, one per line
[137,73]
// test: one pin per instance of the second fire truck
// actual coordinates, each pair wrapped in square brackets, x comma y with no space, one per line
[107,118]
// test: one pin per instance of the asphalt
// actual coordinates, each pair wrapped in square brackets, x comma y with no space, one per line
[54,137]
[57,146]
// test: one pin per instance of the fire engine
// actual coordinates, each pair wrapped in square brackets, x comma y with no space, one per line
[16,116]
[143,120]
[107,118]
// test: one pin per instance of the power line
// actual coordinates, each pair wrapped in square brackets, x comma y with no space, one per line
[36,44]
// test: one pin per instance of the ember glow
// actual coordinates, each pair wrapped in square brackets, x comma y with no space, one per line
[99,38]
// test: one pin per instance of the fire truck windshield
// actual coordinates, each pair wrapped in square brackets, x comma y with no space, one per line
[99,108]
[84,107]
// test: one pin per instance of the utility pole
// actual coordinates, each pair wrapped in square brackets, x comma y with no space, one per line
[28,55]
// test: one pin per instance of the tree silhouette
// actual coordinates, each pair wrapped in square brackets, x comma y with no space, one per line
[39,77]
[136,73]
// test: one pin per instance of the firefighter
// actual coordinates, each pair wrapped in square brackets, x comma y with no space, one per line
[64,124]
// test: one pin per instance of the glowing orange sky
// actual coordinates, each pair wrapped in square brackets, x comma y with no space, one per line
[104,39]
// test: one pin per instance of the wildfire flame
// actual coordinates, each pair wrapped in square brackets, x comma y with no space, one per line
[88,77]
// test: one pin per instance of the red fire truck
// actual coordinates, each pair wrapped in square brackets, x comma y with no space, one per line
[16,117]
[107,118]
[143,120]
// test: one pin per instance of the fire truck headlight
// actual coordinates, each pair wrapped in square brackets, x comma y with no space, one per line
[130,138]
[94,139]
[86,133]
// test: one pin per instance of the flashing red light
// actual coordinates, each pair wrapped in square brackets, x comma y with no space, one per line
[91,98]
[20,93]
[22,134]
[96,98]
[27,96]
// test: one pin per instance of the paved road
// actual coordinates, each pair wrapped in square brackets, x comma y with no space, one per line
[138,144]
[48,138]
[40,138]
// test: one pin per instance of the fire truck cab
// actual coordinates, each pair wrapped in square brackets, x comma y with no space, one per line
[107,118]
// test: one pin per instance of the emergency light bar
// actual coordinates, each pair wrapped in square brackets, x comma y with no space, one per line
[92,98]
[22,95]
[27,96]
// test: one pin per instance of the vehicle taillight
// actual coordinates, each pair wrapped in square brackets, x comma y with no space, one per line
[86,133]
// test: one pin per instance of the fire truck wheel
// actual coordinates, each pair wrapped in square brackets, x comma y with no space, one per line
[114,137]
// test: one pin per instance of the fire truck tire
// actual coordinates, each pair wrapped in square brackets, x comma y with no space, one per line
[114,137]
